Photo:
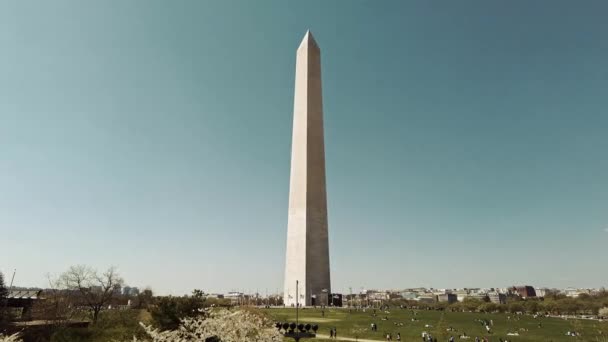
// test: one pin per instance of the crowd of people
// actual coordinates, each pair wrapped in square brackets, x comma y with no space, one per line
[384,315]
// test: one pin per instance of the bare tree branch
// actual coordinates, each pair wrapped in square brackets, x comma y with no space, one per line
[95,289]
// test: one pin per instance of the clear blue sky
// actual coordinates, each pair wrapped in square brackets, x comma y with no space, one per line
[466,141]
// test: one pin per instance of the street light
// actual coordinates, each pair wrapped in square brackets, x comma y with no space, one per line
[303,330]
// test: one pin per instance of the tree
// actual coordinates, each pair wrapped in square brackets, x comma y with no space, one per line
[568,306]
[549,306]
[554,294]
[57,305]
[515,307]
[169,312]
[196,293]
[96,290]
[531,306]
[3,289]
[3,300]
[488,307]
[144,298]
[471,304]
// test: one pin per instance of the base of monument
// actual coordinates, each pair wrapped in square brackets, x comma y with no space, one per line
[298,335]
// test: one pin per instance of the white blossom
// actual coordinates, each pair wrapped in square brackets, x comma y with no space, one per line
[226,325]
[10,338]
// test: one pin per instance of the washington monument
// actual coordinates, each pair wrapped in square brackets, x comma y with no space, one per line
[307,256]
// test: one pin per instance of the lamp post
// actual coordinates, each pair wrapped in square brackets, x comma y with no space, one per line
[297,330]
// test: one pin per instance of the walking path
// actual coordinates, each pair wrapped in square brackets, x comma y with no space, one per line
[345,338]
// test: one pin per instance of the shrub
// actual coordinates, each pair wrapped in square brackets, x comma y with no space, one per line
[221,325]
[10,338]
[169,311]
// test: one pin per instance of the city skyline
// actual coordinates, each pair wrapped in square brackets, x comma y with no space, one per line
[465,144]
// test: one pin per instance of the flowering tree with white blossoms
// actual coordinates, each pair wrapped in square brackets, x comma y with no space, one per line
[220,325]
[10,338]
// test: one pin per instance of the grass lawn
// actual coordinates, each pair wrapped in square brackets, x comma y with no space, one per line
[357,324]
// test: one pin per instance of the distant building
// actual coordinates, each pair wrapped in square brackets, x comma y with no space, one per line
[427,298]
[498,298]
[503,290]
[130,291]
[461,294]
[479,296]
[21,302]
[377,296]
[541,291]
[409,295]
[596,292]
[447,297]
[394,295]
[441,291]
[96,288]
[235,297]
[573,293]
[215,295]
[524,291]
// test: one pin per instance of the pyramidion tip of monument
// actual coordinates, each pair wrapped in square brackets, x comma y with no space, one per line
[308,40]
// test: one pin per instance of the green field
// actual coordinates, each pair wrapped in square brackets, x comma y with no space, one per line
[357,324]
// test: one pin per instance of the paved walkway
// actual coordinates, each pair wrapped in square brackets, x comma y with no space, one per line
[345,338]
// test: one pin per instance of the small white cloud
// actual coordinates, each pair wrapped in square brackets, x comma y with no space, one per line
[606,229]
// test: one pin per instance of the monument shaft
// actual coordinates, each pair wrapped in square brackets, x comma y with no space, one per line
[307,257]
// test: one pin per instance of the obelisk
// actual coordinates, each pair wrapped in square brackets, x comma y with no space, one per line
[307,256]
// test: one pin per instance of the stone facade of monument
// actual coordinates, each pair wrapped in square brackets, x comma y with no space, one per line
[307,255]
